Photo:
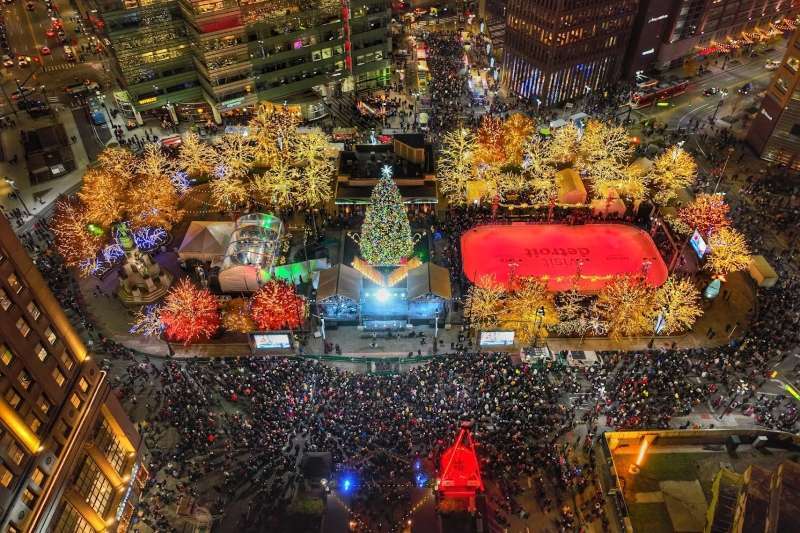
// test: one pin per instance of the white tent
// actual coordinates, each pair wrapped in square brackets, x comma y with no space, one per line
[206,240]
[240,278]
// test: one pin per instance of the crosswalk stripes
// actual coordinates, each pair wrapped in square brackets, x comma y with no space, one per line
[60,66]
[52,99]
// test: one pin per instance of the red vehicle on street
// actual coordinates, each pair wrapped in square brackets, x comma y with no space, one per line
[657,93]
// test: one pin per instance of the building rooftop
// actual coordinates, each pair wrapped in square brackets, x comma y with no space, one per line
[411,159]
[688,477]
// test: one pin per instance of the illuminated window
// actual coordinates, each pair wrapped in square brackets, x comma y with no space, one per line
[58,377]
[50,336]
[5,355]
[14,284]
[28,497]
[12,398]
[37,477]
[93,486]
[66,360]
[33,422]
[108,443]
[75,400]
[793,63]
[23,327]
[6,477]
[5,303]
[71,521]
[43,403]
[33,309]
[41,353]
[24,379]
[83,384]
[15,453]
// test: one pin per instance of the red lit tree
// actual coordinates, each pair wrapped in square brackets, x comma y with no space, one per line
[706,214]
[277,306]
[189,313]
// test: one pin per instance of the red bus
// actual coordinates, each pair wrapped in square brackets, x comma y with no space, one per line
[652,95]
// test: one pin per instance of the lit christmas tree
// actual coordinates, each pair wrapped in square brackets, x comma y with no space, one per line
[386,234]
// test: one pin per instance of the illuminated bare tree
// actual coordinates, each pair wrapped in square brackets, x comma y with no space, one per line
[456,164]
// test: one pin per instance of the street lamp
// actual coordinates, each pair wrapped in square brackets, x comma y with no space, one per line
[540,313]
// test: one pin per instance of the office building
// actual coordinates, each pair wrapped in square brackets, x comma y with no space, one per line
[557,50]
[200,60]
[672,33]
[70,459]
[775,131]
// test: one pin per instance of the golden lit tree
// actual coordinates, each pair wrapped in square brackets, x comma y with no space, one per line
[104,195]
[504,183]
[563,145]
[539,171]
[678,302]
[278,185]
[573,312]
[483,303]
[626,305]
[117,161]
[490,142]
[456,164]
[228,193]
[234,156]
[77,239]
[315,168]
[672,171]
[605,152]
[609,176]
[196,157]
[154,162]
[153,202]
[728,252]
[708,213]
[529,310]
[517,131]
[236,316]
[274,130]
[602,141]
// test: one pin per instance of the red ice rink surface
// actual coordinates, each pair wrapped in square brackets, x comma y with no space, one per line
[552,252]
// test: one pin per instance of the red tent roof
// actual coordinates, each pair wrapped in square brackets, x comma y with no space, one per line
[460,471]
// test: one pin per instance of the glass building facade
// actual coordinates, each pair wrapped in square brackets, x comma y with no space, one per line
[557,50]
[203,59]
[70,458]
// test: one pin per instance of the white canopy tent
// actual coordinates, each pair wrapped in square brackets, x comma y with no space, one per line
[206,240]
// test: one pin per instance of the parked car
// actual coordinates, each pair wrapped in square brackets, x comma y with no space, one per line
[19,93]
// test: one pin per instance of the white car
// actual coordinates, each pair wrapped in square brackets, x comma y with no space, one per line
[8,61]
[772,64]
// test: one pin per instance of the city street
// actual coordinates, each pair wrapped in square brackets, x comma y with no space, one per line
[694,105]
[48,74]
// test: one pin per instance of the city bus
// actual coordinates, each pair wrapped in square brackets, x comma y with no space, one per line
[652,95]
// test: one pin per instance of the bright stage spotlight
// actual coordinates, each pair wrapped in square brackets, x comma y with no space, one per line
[383,295]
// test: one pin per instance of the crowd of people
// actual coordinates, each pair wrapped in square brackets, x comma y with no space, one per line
[231,433]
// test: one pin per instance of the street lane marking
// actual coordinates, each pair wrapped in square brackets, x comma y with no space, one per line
[60,66]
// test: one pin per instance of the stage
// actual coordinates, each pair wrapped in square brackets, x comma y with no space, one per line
[557,253]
